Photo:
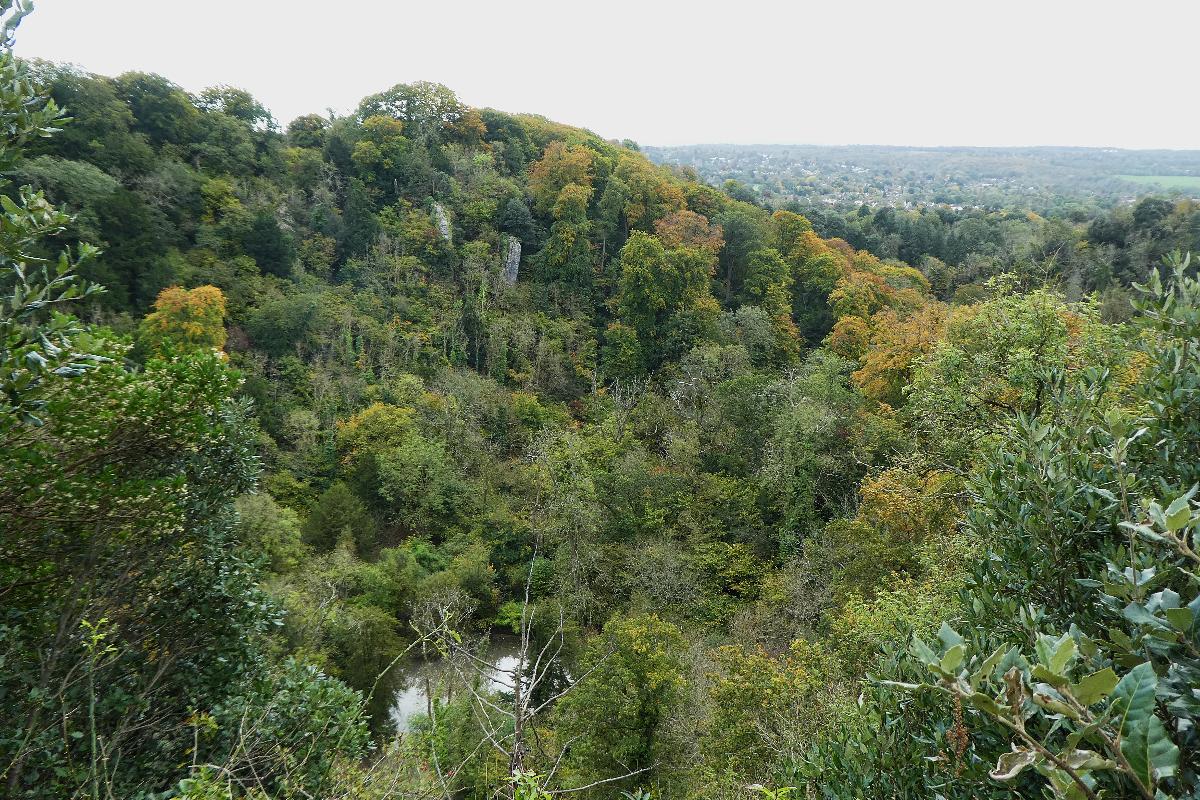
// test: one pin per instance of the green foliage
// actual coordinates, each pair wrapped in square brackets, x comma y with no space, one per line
[705,531]
[1083,708]
[34,349]
[339,515]
[129,601]
[805,476]
[768,281]
[1116,712]
[764,707]
[37,352]
[267,244]
[635,673]
[271,530]
[663,298]
[995,358]
[285,733]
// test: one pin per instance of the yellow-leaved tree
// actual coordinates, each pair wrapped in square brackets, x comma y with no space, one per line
[185,320]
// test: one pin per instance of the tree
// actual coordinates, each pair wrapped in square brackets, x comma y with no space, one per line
[814,452]
[744,234]
[418,486]
[268,245]
[309,130]
[739,191]
[765,706]
[791,232]
[102,131]
[155,456]
[895,347]
[516,220]
[566,257]
[236,103]
[270,529]
[410,480]
[161,110]
[82,185]
[338,514]
[1083,707]
[130,615]
[133,263]
[816,270]
[560,165]
[185,320]
[663,296]
[507,722]
[426,109]
[361,225]
[611,223]
[1072,678]
[385,158]
[992,364]
[688,229]
[635,673]
[768,282]
[650,194]
[1149,212]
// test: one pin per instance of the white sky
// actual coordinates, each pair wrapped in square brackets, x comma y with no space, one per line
[922,72]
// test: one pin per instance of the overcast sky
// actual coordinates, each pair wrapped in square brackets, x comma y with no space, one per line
[923,72]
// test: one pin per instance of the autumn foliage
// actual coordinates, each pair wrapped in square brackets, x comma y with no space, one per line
[185,320]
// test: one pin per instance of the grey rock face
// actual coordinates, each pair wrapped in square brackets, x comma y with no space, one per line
[512,260]
[443,222]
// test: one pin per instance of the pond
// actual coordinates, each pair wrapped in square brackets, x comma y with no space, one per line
[419,679]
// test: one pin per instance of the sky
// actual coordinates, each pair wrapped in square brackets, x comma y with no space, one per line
[1100,73]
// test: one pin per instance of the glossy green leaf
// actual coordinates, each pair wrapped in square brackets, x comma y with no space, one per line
[1095,687]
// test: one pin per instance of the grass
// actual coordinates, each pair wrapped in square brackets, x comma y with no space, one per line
[1165,181]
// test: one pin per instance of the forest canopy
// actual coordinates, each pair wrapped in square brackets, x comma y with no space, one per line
[435,451]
